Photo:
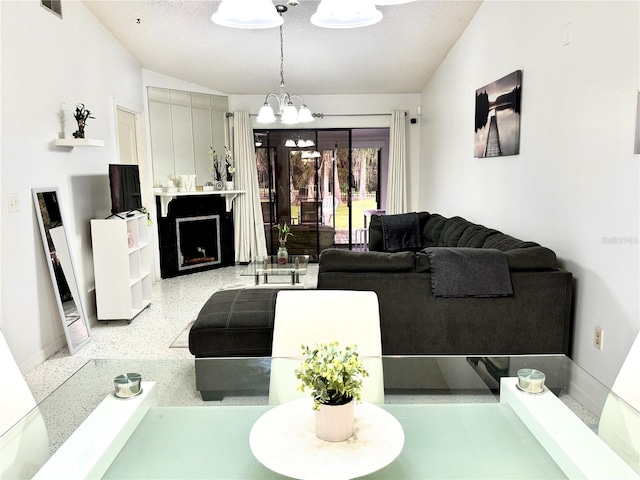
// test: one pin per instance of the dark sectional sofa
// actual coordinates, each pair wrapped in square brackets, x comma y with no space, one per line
[535,318]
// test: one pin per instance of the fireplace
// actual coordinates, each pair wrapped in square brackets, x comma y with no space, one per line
[195,235]
[198,241]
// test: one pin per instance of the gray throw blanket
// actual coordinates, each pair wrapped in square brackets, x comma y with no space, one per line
[469,272]
[401,232]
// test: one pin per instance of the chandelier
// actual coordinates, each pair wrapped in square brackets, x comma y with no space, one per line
[330,13]
[262,14]
[287,111]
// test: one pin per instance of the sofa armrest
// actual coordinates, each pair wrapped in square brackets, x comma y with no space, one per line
[532,258]
[337,260]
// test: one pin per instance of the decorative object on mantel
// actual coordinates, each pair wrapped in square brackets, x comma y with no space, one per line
[215,170]
[335,378]
[284,231]
[187,183]
[230,169]
[81,115]
[172,184]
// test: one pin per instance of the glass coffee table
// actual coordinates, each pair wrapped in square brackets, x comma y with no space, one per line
[462,417]
[268,269]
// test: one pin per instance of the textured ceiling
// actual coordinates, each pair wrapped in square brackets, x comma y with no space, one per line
[398,55]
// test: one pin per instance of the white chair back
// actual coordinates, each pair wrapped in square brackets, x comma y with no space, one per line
[619,423]
[308,317]
[24,446]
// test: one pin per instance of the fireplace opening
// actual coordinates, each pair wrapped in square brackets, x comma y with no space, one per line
[198,241]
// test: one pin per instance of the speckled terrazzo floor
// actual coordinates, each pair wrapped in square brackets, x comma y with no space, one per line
[175,302]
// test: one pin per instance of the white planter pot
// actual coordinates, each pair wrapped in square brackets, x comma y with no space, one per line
[230,185]
[334,423]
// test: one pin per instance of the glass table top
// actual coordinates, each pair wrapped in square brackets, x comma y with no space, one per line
[270,266]
[262,270]
[456,420]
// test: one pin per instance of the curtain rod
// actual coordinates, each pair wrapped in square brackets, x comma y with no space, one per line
[322,115]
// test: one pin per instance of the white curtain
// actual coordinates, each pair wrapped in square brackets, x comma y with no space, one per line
[397,175]
[250,242]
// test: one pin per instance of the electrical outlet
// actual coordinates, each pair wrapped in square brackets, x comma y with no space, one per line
[598,338]
[13,203]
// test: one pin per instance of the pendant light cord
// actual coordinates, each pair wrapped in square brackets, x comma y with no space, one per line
[281,58]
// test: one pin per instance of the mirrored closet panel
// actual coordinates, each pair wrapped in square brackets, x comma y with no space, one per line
[184,127]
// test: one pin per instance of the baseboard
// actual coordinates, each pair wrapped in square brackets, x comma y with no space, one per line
[37,358]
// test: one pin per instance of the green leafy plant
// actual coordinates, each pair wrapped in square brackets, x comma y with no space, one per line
[284,231]
[334,376]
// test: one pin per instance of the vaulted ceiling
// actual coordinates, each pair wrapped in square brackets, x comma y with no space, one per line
[398,55]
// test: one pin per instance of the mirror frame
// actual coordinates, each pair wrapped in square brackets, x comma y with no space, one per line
[73,348]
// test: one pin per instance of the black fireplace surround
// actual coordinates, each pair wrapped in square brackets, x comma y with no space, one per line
[193,206]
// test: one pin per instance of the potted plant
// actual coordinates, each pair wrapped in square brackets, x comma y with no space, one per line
[284,231]
[334,377]
[81,115]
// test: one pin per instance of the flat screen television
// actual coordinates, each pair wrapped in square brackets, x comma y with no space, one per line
[124,180]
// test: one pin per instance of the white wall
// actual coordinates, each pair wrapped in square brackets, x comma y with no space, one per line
[46,61]
[574,185]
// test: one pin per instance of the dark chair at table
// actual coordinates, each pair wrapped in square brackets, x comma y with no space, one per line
[309,212]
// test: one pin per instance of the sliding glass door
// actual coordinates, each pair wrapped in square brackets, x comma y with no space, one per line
[320,183]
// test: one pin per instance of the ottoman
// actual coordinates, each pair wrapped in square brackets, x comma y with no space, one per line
[233,323]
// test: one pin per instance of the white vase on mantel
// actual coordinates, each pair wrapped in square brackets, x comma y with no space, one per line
[334,423]
[230,185]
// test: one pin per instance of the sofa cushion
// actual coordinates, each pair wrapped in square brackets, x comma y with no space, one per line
[452,232]
[338,260]
[474,236]
[401,233]
[376,234]
[432,230]
[376,237]
[503,242]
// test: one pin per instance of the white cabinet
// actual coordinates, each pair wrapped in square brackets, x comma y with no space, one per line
[122,266]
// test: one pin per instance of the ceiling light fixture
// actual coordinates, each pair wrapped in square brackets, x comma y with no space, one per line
[247,14]
[299,142]
[392,2]
[309,155]
[286,109]
[346,14]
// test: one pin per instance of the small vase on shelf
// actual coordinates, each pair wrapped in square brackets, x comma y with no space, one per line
[283,255]
[230,185]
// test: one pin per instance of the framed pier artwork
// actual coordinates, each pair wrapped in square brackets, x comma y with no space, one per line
[497,128]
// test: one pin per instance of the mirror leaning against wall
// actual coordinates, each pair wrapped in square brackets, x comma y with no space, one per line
[61,267]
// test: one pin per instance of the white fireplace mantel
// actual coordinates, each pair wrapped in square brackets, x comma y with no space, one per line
[166,197]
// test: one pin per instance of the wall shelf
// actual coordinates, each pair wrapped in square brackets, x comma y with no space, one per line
[78,142]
